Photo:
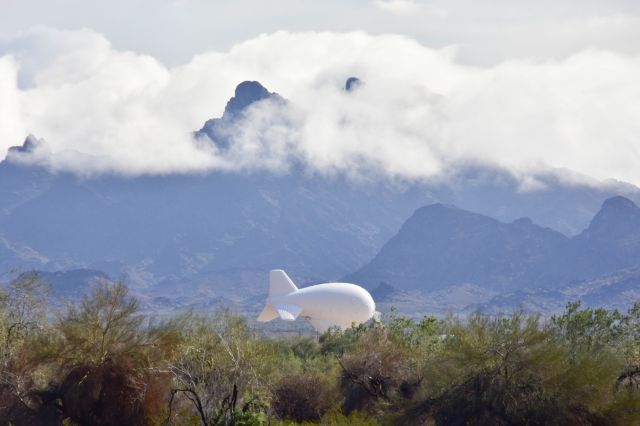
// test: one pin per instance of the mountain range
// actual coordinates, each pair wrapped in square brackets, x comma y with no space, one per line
[200,239]
[441,249]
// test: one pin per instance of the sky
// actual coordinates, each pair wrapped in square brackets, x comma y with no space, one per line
[486,31]
[526,86]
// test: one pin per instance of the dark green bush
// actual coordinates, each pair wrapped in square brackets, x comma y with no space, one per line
[303,397]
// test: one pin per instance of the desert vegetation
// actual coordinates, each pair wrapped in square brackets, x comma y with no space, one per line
[101,362]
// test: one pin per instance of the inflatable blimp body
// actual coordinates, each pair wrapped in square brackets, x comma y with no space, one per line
[323,305]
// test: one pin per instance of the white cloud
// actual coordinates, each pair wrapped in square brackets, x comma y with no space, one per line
[420,113]
[12,127]
[397,6]
[488,31]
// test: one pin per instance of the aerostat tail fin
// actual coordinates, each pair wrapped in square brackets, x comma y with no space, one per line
[280,283]
[287,312]
[268,313]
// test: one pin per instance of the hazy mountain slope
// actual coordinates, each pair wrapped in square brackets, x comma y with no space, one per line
[612,240]
[19,184]
[73,283]
[440,246]
[187,223]
[619,290]
[15,256]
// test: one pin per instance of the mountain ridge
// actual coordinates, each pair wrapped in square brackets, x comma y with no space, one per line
[440,246]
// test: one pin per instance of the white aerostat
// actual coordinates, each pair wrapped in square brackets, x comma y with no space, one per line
[323,305]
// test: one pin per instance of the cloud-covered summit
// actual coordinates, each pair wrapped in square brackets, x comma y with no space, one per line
[247,93]
[421,114]
[249,96]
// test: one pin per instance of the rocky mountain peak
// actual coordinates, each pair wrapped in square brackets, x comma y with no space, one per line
[618,203]
[31,149]
[352,84]
[246,93]
[617,216]
[30,144]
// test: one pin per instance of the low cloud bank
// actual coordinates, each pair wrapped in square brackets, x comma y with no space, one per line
[419,114]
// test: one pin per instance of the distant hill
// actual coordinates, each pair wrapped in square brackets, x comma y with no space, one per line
[612,240]
[441,247]
[619,290]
